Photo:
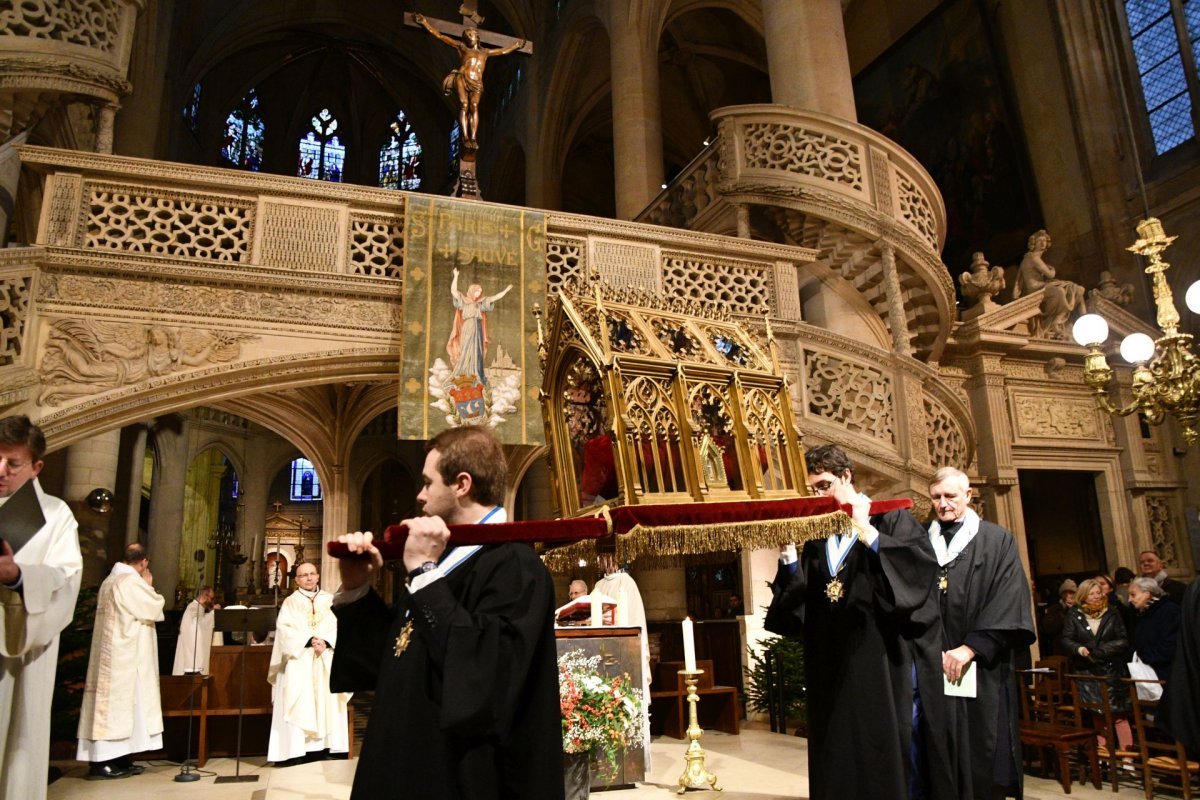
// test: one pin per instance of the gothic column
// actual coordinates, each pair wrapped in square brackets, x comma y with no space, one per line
[137,466]
[92,464]
[335,521]
[637,111]
[106,117]
[166,504]
[807,56]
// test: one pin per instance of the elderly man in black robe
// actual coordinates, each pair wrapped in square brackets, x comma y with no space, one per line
[985,602]
[865,605]
[464,668]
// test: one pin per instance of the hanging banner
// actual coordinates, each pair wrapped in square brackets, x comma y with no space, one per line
[472,273]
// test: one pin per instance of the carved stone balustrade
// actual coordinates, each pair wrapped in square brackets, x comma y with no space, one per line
[155,287]
[54,48]
[809,179]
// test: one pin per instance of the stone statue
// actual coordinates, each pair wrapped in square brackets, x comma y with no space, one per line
[467,81]
[1110,290]
[982,282]
[1059,297]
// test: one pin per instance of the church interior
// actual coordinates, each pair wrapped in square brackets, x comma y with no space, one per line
[215,212]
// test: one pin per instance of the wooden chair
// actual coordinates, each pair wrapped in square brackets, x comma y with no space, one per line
[1042,728]
[1164,760]
[1099,715]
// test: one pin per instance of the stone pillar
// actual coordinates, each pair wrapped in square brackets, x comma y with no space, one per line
[92,464]
[106,117]
[141,127]
[335,521]
[743,220]
[133,503]
[807,56]
[10,172]
[252,522]
[897,318]
[166,504]
[637,111]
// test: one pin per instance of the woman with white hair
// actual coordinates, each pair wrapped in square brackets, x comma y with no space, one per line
[1157,624]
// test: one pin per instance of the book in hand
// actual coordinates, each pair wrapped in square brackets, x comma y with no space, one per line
[964,686]
[579,610]
[21,517]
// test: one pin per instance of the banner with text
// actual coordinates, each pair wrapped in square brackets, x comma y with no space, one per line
[472,273]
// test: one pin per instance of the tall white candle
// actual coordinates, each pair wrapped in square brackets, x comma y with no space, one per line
[597,611]
[622,619]
[689,646]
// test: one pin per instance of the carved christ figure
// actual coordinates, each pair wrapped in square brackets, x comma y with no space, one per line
[469,337]
[466,82]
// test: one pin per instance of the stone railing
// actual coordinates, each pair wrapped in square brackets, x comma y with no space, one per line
[242,261]
[78,47]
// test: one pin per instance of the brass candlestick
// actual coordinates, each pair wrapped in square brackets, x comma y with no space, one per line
[695,773]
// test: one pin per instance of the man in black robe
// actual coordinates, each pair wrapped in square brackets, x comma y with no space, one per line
[464,669]
[866,609]
[985,602]
[1179,710]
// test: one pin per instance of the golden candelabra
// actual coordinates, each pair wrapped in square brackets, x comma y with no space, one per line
[1166,379]
[695,773]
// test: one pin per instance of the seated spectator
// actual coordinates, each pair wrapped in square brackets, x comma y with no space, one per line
[1157,625]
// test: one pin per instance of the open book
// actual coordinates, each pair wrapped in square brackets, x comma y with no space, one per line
[579,610]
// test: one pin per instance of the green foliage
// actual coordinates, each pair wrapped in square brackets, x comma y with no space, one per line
[758,695]
[73,646]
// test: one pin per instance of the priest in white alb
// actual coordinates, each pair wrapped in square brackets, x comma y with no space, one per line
[122,710]
[308,721]
[40,567]
[619,585]
[194,647]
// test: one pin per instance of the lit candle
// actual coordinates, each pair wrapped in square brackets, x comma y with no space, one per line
[597,611]
[689,646]
[622,608]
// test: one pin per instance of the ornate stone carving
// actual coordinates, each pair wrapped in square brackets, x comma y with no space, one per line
[85,357]
[565,261]
[62,218]
[625,263]
[1059,298]
[377,246]
[947,443]
[301,236]
[915,208]
[89,23]
[1042,417]
[853,395]
[739,288]
[1110,290]
[982,282]
[1162,527]
[814,154]
[160,222]
[14,306]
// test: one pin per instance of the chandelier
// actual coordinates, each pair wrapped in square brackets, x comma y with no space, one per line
[1166,376]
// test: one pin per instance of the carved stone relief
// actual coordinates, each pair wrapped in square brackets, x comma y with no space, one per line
[947,444]
[1162,527]
[168,223]
[565,261]
[89,23]
[811,153]
[853,395]
[739,288]
[1042,417]
[84,357]
[14,305]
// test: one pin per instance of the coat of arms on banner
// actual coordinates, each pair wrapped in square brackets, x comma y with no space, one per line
[469,389]
[473,272]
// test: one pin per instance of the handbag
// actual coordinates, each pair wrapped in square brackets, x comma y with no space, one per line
[1141,671]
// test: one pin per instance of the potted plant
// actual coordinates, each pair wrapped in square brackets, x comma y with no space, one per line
[788,677]
[600,715]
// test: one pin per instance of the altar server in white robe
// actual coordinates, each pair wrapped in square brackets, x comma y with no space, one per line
[38,586]
[630,613]
[122,711]
[194,647]
[308,719]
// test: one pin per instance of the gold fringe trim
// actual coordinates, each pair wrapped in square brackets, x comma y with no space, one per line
[667,545]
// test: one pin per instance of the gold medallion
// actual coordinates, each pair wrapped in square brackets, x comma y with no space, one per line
[835,590]
[944,583]
[404,638]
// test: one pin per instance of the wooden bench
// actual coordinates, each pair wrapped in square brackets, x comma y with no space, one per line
[717,710]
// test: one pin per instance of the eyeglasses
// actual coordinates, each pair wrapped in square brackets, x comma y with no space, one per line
[13,465]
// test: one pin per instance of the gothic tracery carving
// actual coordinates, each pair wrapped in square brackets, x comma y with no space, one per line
[89,23]
[14,305]
[853,395]
[812,153]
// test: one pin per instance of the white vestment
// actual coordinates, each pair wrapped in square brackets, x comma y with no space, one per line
[122,711]
[30,621]
[194,647]
[623,588]
[307,717]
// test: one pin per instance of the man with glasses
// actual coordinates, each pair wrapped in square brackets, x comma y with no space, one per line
[40,567]
[863,603]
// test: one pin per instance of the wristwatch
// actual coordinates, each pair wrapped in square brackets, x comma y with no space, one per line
[428,566]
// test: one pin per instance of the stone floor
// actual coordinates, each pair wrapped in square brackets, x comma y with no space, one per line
[757,765]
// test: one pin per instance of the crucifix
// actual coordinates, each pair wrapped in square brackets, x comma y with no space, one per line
[466,81]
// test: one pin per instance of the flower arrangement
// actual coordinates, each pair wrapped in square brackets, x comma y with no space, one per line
[598,713]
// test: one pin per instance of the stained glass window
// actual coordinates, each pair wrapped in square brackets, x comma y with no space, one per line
[400,157]
[304,484]
[455,148]
[1164,60]
[322,154]
[244,131]
[191,111]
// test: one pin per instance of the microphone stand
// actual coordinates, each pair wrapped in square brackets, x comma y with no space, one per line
[186,773]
